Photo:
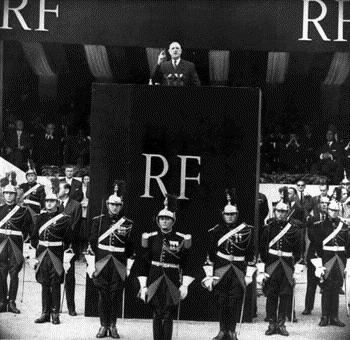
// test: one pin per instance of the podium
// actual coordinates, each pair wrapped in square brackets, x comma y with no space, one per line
[193,142]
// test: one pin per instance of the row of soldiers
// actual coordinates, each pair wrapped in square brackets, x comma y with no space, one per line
[163,266]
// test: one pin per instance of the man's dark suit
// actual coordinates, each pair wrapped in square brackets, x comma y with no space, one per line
[76,192]
[16,156]
[184,68]
[330,167]
[73,210]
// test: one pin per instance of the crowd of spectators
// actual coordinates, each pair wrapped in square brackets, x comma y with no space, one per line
[322,153]
[44,145]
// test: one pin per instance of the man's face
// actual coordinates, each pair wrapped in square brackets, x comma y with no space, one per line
[113,208]
[50,205]
[291,194]
[281,214]
[323,190]
[165,223]
[333,213]
[329,136]
[344,194]
[175,50]
[62,194]
[324,204]
[300,186]
[86,179]
[19,125]
[69,172]
[230,218]
[31,178]
[50,129]
[9,197]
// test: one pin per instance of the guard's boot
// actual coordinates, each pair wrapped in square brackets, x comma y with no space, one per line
[324,306]
[113,332]
[272,329]
[334,320]
[12,308]
[46,305]
[102,332]
[3,306]
[232,335]
[282,328]
[56,318]
[222,333]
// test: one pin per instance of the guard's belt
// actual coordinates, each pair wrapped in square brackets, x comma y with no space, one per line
[10,232]
[280,253]
[334,248]
[50,244]
[111,248]
[230,258]
[165,265]
[31,202]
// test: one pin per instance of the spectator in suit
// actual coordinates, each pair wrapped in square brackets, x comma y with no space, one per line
[304,197]
[323,187]
[47,147]
[73,209]
[76,192]
[330,157]
[84,232]
[18,146]
[175,72]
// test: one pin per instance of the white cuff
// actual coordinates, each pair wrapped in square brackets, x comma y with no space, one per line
[142,280]
[187,280]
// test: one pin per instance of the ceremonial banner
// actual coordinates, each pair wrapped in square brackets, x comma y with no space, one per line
[191,142]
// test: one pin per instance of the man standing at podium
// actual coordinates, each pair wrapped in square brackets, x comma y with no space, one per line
[175,72]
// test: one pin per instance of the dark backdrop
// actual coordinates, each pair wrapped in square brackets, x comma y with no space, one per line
[219,125]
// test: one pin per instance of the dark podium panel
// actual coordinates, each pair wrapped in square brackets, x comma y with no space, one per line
[198,141]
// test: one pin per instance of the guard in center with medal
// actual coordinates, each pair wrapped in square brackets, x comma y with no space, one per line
[163,270]
[231,248]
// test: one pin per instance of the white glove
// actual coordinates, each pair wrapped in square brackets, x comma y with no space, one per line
[261,267]
[319,271]
[347,268]
[249,275]
[28,251]
[183,291]
[208,282]
[90,261]
[261,277]
[143,293]
[129,263]
[67,256]
[33,263]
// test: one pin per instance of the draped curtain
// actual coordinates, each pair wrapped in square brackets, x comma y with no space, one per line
[219,64]
[97,58]
[37,59]
[152,58]
[277,66]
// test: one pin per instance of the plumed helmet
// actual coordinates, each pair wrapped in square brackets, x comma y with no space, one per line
[231,207]
[334,205]
[9,188]
[170,207]
[114,199]
[51,197]
[31,171]
[282,206]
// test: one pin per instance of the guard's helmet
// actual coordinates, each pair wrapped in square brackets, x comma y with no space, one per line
[282,206]
[51,197]
[114,199]
[31,171]
[9,188]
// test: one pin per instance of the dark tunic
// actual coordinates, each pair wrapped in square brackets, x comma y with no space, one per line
[163,260]
[50,244]
[36,199]
[112,251]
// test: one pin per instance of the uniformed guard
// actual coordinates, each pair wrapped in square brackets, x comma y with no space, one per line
[280,249]
[230,250]
[163,270]
[51,236]
[332,245]
[15,226]
[33,193]
[111,242]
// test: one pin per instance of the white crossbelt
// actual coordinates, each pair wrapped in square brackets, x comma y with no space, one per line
[231,233]
[230,257]
[31,190]
[333,234]
[334,248]
[9,215]
[50,222]
[50,244]
[10,232]
[31,202]
[111,248]
[280,234]
[165,265]
[281,253]
[112,229]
